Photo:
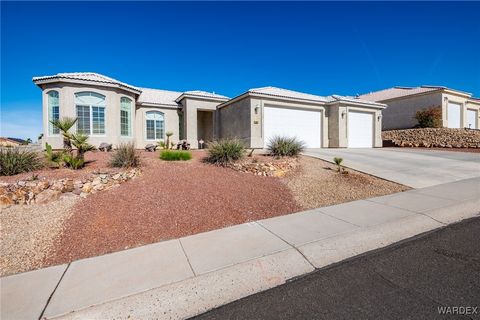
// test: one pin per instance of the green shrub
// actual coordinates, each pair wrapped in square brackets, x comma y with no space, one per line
[73,162]
[285,146]
[225,151]
[54,158]
[14,161]
[339,162]
[125,156]
[175,155]
[429,118]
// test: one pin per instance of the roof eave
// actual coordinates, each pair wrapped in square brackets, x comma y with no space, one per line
[195,96]
[158,105]
[39,81]
[358,103]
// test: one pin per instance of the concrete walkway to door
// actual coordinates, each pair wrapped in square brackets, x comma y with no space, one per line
[416,168]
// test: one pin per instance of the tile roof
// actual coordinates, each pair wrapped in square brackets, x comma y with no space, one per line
[156,96]
[86,76]
[285,93]
[206,94]
[398,92]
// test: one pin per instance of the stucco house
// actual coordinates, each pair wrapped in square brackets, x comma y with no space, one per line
[459,109]
[111,111]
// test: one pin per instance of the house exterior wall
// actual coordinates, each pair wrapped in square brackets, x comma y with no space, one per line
[465,104]
[171,124]
[68,109]
[474,105]
[400,113]
[190,107]
[233,121]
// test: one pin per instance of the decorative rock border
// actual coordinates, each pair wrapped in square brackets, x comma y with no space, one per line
[275,168]
[44,191]
[433,138]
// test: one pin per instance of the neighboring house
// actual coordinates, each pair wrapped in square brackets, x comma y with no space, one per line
[114,112]
[459,109]
[9,142]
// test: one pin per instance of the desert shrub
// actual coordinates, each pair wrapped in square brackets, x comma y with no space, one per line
[54,158]
[225,151]
[73,162]
[14,161]
[125,156]
[175,155]
[339,162]
[429,118]
[285,146]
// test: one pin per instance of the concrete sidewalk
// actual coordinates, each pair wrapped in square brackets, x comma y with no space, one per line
[187,276]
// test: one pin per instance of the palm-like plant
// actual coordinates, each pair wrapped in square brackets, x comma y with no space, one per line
[338,162]
[64,125]
[79,141]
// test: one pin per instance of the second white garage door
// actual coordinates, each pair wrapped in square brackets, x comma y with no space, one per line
[304,124]
[453,115]
[360,129]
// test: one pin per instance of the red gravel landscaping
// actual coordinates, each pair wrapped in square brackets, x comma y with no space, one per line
[169,200]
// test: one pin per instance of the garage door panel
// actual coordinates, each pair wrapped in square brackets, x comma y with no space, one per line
[286,122]
[453,115]
[360,129]
[472,116]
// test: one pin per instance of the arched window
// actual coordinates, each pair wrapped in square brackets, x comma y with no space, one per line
[90,113]
[53,111]
[125,117]
[154,125]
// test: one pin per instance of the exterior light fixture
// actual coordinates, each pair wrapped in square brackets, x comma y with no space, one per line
[256,109]
[379,117]
[343,114]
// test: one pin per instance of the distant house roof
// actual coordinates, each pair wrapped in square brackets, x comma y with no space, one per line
[85,76]
[160,97]
[399,92]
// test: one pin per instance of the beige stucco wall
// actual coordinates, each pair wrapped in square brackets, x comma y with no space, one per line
[400,113]
[67,109]
[233,121]
[190,107]
[171,124]
[464,103]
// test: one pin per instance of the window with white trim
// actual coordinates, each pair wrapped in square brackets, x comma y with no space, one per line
[53,111]
[154,125]
[125,117]
[90,113]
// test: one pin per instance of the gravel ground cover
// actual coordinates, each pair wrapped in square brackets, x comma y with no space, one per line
[169,200]
[318,184]
[27,234]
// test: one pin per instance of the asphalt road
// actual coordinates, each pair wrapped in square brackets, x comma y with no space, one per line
[409,280]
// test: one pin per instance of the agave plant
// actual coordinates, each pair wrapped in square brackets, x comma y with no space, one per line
[64,125]
[339,162]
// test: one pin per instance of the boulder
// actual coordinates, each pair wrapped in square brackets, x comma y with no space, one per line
[105,147]
[48,196]
[151,147]
[68,185]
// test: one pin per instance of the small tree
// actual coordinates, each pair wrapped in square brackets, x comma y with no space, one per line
[64,125]
[429,118]
[79,141]
[339,162]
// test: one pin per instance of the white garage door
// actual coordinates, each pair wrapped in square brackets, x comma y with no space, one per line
[360,129]
[472,119]
[453,116]
[303,124]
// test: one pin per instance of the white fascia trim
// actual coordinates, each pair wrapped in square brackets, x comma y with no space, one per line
[88,82]
[194,96]
[374,105]
[270,96]
[157,105]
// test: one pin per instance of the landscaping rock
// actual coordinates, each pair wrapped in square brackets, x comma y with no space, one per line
[68,186]
[48,196]
[105,147]
[433,138]
[151,147]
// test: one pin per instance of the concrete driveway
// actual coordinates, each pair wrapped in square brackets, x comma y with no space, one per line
[416,168]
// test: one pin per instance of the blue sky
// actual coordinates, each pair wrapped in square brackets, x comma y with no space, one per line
[321,48]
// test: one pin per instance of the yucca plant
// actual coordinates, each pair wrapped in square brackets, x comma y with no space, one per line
[14,161]
[339,162]
[64,125]
[79,141]
[225,151]
[279,146]
[125,156]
